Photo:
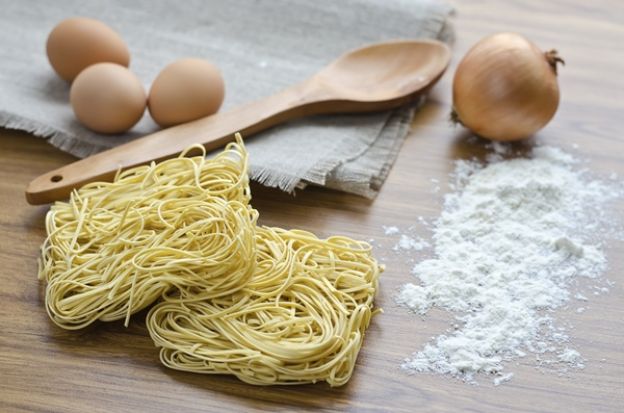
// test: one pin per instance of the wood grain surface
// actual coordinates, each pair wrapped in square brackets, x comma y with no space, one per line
[108,368]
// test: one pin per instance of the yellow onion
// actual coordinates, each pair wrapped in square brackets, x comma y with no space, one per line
[505,88]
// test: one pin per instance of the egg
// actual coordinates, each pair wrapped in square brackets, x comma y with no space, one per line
[185,90]
[79,42]
[107,98]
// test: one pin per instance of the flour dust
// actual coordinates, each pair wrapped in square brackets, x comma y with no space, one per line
[514,238]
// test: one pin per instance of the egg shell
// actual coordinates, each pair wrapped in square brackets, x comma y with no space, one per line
[107,98]
[79,42]
[185,90]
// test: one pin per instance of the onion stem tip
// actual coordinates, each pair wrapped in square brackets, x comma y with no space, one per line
[553,59]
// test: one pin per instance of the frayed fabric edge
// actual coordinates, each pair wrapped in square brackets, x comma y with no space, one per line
[54,136]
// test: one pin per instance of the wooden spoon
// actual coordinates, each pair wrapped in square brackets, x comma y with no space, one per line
[375,77]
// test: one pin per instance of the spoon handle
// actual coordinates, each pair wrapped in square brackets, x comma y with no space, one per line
[213,132]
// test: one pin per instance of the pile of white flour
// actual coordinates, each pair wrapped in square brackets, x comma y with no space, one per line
[512,239]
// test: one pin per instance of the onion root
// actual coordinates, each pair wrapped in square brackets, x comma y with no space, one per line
[454,118]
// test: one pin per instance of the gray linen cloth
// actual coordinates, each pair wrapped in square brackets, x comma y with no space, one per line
[260,46]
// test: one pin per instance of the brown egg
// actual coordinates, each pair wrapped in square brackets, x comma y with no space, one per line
[79,42]
[185,90]
[107,98]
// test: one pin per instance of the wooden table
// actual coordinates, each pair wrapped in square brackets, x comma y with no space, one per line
[109,368]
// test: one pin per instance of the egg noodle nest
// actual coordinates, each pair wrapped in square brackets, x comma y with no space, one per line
[268,305]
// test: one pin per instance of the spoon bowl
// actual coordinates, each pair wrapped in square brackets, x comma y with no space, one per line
[385,71]
[372,78]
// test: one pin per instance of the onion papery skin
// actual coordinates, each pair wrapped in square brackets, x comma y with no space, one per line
[505,88]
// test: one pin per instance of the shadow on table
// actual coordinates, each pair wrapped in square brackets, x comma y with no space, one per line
[275,398]
[132,347]
[468,146]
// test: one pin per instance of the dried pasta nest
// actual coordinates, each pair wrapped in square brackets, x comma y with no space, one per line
[115,248]
[267,305]
[300,319]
